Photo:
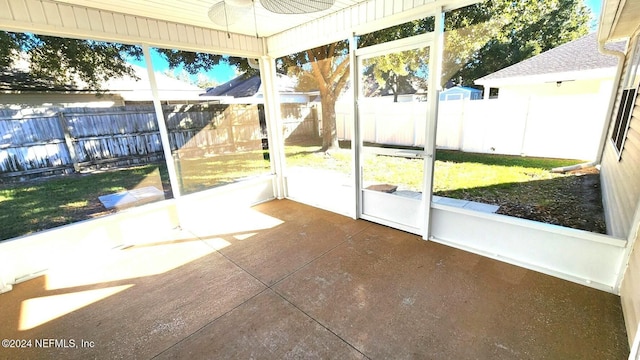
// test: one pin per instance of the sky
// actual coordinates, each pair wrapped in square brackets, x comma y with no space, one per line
[223,72]
[220,74]
[596,8]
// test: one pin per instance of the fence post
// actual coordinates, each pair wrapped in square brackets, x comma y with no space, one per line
[68,140]
[313,111]
[232,119]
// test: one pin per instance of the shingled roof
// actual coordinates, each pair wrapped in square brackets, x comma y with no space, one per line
[578,55]
[243,86]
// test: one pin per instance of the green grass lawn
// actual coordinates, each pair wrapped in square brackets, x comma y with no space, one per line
[205,173]
[454,170]
[521,186]
[47,203]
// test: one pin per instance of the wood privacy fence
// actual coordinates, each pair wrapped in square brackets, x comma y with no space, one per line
[565,126]
[43,141]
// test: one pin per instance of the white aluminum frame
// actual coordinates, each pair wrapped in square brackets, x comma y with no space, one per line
[590,259]
[406,214]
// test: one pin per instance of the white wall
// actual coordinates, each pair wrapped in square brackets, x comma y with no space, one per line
[27,256]
[579,256]
[562,126]
[620,181]
[578,87]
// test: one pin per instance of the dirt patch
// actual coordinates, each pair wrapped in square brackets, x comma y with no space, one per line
[573,200]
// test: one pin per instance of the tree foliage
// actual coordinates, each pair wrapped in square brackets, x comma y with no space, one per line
[486,37]
[194,62]
[491,35]
[67,62]
[397,72]
[72,62]
[479,39]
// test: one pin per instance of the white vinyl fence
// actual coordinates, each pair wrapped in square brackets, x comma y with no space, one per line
[567,126]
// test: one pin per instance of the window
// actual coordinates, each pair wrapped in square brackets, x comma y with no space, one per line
[627,101]
[623,118]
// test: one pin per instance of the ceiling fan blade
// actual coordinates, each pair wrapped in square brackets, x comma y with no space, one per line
[296,6]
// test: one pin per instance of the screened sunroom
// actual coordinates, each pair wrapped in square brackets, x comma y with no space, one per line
[280,257]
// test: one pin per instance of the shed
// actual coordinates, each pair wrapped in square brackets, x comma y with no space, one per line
[460,93]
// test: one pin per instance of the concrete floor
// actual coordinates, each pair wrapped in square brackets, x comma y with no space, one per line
[292,281]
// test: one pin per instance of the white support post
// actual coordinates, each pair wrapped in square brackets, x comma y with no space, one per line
[274,122]
[355,127]
[435,75]
[162,126]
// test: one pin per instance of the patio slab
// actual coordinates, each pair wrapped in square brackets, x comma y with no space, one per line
[299,282]
[394,295]
[274,254]
[130,303]
[465,204]
[265,327]
[129,198]
[409,194]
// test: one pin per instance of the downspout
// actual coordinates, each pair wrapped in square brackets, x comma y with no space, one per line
[603,141]
[614,92]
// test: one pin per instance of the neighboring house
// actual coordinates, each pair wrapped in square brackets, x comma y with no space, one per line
[620,171]
[460,93]
[576,67]
[170,90]
[299,110]
[243,89]
[19,88]
[564,94]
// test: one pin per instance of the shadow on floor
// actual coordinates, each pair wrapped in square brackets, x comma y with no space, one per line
[311,285]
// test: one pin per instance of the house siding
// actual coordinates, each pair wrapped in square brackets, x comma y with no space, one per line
[620,187]
[620,180]
[629,189]
[630,294]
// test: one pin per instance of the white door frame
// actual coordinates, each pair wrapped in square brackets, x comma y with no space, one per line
[429,41]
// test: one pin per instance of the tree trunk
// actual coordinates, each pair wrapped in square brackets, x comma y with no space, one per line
[329,128]
[393,78]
